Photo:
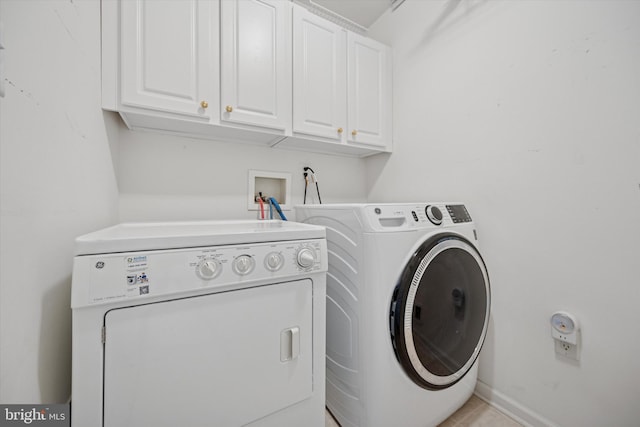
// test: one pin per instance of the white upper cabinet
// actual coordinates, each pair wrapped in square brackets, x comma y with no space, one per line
[166,59]
[369,100]
[319,77]
[259,71]
[341,88]
[255,63]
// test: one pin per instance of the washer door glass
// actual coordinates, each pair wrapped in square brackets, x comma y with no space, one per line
[440,311]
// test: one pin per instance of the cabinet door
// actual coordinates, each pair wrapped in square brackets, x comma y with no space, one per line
[369,98]
[319,76]
[168,55]
[256,63]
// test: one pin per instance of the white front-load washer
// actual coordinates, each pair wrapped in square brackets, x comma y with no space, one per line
[199,324]
[408,302]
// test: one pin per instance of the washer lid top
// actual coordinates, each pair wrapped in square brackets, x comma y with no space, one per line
[128,237]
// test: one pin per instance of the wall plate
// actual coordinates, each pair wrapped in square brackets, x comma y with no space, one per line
[271,184]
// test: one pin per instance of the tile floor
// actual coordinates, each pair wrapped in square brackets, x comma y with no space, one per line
[474,413]
[329,421]
[478,413]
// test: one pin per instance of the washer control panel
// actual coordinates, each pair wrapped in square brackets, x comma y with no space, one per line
[152,273]
[390,217]
[458,213]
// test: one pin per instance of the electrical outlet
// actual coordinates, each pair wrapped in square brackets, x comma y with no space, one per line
[565,349]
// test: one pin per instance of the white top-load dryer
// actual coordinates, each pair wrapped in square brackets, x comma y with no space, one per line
[408,302]
[199,324]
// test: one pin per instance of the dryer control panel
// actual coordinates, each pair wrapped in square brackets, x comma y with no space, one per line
[123,276]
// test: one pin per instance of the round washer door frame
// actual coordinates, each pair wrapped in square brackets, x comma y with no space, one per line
[456,258]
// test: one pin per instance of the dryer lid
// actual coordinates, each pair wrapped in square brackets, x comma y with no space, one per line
[142,236]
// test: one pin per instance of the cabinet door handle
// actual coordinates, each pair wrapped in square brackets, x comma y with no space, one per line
[340,130]
[204,104]
[229,108]
[354,132]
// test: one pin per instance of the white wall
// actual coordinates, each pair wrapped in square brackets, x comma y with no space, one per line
[57,182]
[169,178]
[526,111]
[69,168]
[529,112]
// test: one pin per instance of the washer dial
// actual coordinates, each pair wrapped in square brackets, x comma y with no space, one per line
[434,214]
[208,268]
[243,265]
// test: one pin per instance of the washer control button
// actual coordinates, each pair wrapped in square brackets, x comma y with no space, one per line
[243,265]
[208,268]
[274,261]
[434,214]
[306,257]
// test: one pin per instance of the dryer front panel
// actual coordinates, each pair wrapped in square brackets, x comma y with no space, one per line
[440,311]
[221,359]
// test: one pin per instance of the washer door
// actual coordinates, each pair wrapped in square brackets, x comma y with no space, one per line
[440,311]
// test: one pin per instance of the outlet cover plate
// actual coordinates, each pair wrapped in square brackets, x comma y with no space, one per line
[565,349]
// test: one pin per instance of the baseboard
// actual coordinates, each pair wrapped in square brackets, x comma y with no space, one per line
[510,407]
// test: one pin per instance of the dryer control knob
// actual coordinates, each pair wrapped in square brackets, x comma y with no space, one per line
[434,214]
[243,265]
[274,261]
[306,257]
[208,268]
